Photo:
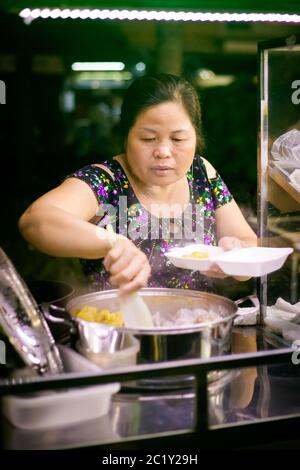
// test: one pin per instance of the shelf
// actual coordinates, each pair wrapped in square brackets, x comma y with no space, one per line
[288,227]
[284,203]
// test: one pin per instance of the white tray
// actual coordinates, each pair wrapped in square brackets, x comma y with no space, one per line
[255,261]
[61,408]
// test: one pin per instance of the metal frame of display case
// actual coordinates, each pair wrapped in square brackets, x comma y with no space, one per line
[202,434]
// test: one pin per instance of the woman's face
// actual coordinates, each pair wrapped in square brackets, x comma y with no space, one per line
[161,144]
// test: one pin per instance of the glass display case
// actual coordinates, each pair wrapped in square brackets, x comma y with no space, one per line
[279,164]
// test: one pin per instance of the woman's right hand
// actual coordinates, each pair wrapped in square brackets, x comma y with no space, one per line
[128,266]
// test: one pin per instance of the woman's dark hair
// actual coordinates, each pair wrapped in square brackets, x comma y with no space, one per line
[149,91]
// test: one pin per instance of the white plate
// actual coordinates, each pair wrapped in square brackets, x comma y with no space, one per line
[254,262]
[196,264]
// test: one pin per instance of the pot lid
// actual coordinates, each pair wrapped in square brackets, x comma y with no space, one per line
[23,322]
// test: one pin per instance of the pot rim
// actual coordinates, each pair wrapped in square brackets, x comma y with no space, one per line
[158,291]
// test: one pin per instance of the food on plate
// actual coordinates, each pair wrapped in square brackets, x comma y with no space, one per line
[98,315]
[196,254]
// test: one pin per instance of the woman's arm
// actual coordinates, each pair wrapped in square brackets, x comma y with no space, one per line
[58,224]
[231,224]
[232,229]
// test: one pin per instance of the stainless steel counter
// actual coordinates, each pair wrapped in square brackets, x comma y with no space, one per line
[160,407]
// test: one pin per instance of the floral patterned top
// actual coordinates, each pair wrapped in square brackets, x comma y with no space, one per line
[119,206]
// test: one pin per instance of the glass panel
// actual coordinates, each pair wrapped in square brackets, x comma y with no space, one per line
[279,168]
[257,394]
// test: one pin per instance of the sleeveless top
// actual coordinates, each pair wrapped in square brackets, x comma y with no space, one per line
[119,206]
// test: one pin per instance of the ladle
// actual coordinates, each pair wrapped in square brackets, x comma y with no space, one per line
[134,309]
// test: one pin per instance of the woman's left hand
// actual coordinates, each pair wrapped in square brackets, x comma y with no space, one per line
[230,243]
[227,243]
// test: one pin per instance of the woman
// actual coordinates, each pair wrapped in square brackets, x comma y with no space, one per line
[158,193]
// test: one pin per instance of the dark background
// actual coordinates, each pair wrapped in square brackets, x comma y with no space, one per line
[39,142]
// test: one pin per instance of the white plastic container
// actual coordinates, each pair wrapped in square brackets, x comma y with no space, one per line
[252,261]
[62,407]
[256,261]
[127,356]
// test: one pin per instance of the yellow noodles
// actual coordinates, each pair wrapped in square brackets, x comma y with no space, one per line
[98,315]
[196,254]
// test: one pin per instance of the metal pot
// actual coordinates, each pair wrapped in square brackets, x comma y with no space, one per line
[91,337]
[159,344]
